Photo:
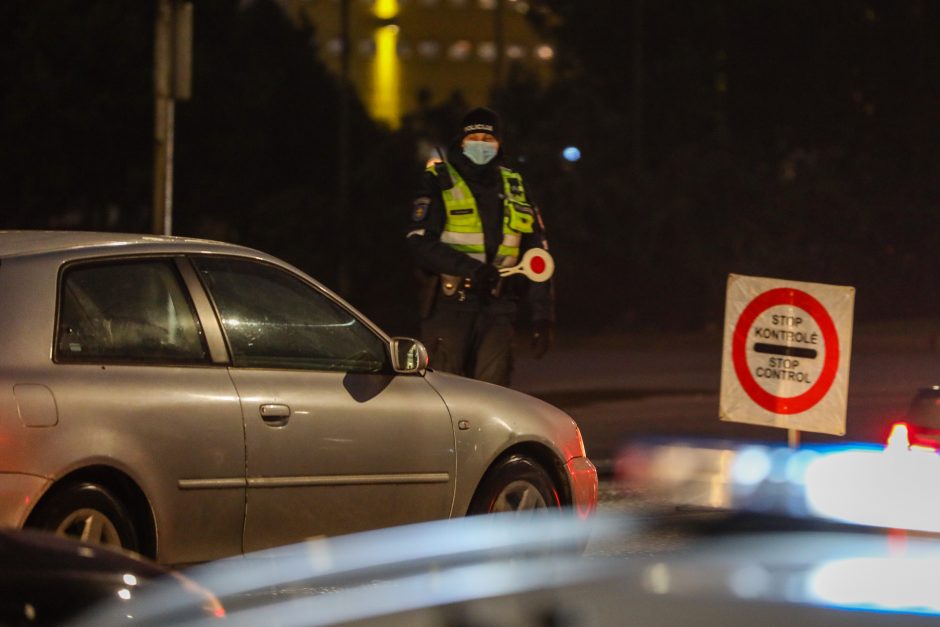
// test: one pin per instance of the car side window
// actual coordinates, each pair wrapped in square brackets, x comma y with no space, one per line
[274,319]
[127,311]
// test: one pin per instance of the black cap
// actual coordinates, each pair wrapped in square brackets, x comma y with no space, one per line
[480,120]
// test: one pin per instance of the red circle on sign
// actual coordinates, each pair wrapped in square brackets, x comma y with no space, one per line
[771,402]
[537,264]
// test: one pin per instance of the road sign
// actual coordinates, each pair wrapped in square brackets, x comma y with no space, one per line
[787,346]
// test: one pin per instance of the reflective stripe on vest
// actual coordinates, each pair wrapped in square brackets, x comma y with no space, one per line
[463,228]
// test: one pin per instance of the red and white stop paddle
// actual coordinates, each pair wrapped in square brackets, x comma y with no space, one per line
[536,264]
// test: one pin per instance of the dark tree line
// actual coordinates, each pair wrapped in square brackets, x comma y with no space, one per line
[256,147]
[75,113]
[794,139]
[791,139]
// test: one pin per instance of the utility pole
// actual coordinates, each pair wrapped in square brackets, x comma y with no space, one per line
[172,73]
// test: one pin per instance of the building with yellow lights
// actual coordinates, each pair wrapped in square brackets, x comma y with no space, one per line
[403,52]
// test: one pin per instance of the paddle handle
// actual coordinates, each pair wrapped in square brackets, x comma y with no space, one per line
[520,269]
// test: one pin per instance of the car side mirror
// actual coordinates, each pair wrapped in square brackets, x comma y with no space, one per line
[409,356]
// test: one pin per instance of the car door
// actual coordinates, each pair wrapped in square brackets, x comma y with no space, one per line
[336,442]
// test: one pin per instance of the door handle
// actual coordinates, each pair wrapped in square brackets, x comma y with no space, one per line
[275,414]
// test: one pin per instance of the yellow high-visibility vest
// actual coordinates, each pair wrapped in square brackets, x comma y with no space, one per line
[463,228]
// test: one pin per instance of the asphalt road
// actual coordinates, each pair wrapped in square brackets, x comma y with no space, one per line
[621,388]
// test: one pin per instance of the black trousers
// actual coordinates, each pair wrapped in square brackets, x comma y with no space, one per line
[471,343]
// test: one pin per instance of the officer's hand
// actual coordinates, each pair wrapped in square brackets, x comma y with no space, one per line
[485,278]
[543,334]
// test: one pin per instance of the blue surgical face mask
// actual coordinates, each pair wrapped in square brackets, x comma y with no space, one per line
[480,153]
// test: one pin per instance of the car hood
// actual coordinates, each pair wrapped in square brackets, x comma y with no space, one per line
[506,569]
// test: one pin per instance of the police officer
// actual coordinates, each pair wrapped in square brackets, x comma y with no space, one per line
[472,216]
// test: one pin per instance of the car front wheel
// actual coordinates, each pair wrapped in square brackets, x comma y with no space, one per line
[515,484]
[87,512]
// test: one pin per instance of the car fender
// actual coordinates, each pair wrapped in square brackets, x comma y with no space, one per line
[489,420]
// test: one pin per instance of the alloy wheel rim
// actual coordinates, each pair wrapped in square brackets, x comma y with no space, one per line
[90,525]
[519,496]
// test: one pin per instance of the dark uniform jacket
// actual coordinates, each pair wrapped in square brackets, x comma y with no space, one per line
[435,258]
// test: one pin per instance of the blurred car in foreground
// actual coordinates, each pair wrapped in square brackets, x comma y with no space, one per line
[761,551]
[46,580]
[191,400]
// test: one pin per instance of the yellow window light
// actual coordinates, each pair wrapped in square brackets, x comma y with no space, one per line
[385,9]
[386,76]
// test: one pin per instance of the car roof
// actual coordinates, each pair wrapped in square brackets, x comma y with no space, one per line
[27,243]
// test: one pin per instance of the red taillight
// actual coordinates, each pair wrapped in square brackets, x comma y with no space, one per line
[899,437]
[902,437]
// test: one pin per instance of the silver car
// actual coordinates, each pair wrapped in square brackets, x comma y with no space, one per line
[190,399]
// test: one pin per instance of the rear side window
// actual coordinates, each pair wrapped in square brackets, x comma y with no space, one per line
[129,311]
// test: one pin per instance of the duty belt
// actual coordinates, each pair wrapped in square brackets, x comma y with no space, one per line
[451,284]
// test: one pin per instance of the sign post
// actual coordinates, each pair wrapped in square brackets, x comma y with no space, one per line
[787,346]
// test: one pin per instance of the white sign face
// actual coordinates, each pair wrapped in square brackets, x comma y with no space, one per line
[787,346]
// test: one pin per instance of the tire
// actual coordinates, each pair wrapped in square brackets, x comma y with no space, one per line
[515,484]
[87,512]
